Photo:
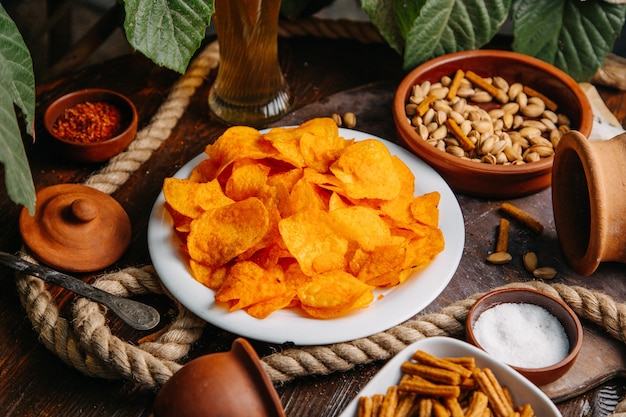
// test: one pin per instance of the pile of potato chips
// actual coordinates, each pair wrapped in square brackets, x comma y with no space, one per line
[301,217]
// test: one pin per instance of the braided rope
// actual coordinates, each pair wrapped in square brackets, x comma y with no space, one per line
[88,345]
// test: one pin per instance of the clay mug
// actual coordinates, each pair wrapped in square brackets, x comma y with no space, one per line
[589,200]
[223,384]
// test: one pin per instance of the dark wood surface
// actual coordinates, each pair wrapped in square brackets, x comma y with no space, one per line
[325,76]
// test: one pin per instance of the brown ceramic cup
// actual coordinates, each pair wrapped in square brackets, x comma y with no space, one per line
[482,179]
[100,151]
[564,314]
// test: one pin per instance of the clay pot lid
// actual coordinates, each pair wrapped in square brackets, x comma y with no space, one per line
[76,228]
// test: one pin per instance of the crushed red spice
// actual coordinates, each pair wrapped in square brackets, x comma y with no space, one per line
[88,122]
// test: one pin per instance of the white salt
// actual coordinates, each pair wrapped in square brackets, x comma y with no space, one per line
[522,335]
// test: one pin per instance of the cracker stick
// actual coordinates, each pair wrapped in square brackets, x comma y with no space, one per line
[534,93]
[422,108]
[526,411]
[454,85]
[377,402]
[422,388]
[364,408]
[427,358]
[405,404]
[467,362]
[477,405]
[424,408]
[431,373]
[390,402]
[439,410]
[493,91]
[502,245]
[522,217]
[464,141]
[453,406]
[494,393]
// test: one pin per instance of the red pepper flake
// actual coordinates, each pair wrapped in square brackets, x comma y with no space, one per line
[88,122]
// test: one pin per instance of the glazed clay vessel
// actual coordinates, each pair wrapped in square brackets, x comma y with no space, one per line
[589,200]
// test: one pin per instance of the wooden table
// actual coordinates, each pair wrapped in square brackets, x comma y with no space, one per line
[325,76]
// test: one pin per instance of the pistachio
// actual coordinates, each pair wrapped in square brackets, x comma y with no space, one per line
[499,258]
[544,272]
[530,261]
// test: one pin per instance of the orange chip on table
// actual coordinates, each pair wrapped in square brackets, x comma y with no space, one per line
[247,179]
[423,248]
[220,234]
[287,144]
[383,265]
[399,207]
[305,195]
[213,278]
[366,170]
[320,143]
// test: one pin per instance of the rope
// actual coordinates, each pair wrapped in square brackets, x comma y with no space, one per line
[87,344]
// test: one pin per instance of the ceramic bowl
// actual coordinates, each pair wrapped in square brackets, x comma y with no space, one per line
[561,311]
[482,179]
[224,384]
[100,151]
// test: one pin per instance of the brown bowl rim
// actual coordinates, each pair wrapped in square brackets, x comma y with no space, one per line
[81,96]
[446,161]
[574,350]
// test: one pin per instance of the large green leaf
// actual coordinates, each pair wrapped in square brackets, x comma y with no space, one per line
[573,35]
[383,17]
[434,27]
[17,88]
[168,32]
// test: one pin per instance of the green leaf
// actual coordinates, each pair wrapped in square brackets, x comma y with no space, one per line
[444,26]
[168,32]
[383,17]
[17,88]
[575,36]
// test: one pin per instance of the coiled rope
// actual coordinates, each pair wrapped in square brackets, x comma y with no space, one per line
[86,343]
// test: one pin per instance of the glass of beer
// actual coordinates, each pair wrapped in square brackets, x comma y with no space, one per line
[250,88]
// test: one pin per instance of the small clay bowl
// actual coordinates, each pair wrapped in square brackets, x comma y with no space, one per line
[482,179]
[224,384]
[100,151]
[560,310]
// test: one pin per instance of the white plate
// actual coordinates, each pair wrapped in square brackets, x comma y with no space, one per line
[398,304]
[524,391]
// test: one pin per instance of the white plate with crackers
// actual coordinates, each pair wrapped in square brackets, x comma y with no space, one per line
[521,389]
[391,307]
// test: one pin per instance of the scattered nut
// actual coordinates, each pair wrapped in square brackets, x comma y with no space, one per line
[544,272]
[349,119]
[499,258]
[530,261]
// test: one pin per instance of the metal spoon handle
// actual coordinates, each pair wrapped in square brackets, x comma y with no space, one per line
[137,315]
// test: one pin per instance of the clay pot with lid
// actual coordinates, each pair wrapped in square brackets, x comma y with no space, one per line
[589,200]
[223,384]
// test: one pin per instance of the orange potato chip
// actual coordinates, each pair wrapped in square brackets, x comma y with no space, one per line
[333,293]
[248,284]
[307,235]
[301,217]
[220,234]
[366,170]
[191,199]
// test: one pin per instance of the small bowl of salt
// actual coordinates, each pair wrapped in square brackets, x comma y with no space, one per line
[536,334]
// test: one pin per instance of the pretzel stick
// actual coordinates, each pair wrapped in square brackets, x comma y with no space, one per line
[532,92]
[464,141]
[390,402]
[522,217]
[431,373]
[365,407]
[427,358]
[493,91]
[455,84]
[502,245]
[422,108]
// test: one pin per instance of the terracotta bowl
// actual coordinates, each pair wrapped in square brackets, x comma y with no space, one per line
[225,384]
[100,151]
[561,311]
[481,179]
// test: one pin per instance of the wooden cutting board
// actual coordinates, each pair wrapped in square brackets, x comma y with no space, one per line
[601,358]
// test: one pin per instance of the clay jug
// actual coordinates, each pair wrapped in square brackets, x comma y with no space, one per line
[589,200]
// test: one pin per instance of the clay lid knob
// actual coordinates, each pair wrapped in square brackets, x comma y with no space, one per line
[76,228]
[84,210]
